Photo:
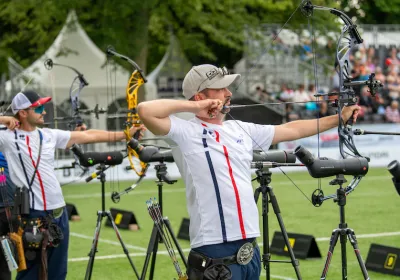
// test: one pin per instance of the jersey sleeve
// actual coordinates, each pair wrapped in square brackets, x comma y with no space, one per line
[180,129]
[2,139]
[61,138]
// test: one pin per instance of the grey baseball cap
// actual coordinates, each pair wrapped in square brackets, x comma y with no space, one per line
[27,99]
[206,76]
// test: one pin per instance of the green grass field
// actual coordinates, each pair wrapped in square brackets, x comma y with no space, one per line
[371,209]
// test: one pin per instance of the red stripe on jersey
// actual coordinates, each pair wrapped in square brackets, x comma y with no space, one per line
[239,208]
[38,174]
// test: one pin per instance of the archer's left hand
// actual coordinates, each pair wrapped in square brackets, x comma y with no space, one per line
[134,129]
[81,127]
[350,112]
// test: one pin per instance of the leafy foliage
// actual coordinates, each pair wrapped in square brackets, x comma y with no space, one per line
[374,12]
[207,30]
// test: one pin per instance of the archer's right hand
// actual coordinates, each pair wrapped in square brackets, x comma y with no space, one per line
[10,122]
[209,108]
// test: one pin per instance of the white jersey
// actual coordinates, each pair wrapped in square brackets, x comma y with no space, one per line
[214,161]
[46,191]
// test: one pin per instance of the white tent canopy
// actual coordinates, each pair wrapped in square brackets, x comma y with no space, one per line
[82,54]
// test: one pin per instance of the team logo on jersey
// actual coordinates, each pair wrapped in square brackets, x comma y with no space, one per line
[240,140]
[211,133]
[22,137]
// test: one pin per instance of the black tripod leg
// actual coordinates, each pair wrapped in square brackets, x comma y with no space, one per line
[154,257]
[152,243]
[93,249]
[343,241]
[277,211]
[332,243]
[353,240]
[266,256]
[178,247]
[110,218]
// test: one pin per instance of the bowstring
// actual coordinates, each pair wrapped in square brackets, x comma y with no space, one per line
[111,85]
[314,61]
[287,176]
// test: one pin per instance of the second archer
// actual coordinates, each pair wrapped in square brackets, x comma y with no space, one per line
[29,151]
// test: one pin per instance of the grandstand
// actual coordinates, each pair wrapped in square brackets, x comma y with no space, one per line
[283,71]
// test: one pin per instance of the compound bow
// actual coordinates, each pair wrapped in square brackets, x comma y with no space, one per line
[346,96]
[136,80]
[75,119]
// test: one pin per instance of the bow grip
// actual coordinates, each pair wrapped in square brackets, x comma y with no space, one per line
[136,135]
[350,121]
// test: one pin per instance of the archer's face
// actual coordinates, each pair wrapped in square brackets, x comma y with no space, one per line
[33,116]
[222,94]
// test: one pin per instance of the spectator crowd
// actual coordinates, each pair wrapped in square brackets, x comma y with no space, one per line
[381,108]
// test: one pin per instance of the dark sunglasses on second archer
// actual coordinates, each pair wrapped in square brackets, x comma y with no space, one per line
[38,109]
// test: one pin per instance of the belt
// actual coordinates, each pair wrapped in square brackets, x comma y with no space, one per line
[242,257]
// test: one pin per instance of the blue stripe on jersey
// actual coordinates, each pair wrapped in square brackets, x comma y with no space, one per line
[214,178]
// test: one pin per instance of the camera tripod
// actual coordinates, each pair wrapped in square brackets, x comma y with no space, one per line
[155,238]
[100,215]
[343,231]
[264,178]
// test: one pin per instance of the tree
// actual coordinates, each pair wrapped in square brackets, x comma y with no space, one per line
[208,30]
[373,11]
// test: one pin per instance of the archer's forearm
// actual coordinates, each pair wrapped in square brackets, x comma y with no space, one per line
[4,119]
[163,108]
[99,136]
[308,128]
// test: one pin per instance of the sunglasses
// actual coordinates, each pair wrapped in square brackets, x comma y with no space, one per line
[38,109]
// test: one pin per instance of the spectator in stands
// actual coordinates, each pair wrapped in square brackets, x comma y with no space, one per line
[379,75]
[370,65]
[306,50]
[323,110]
[265,96]
[301,95]
[393,87]
[286,94]
[311,107]
[258,93]
[392,61]
[392,112]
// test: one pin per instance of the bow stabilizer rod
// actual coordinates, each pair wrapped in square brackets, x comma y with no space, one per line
[365,132]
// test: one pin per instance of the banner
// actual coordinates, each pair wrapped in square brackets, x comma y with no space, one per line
[117,172]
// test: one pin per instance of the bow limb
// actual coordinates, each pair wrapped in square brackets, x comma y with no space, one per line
[75,118]
[74,91]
